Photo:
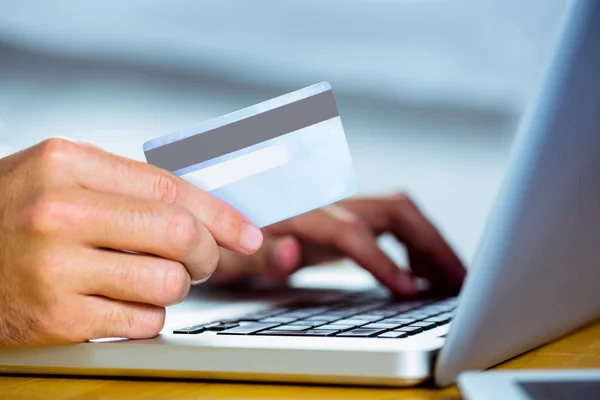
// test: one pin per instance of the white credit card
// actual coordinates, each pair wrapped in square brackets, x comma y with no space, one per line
[271,161]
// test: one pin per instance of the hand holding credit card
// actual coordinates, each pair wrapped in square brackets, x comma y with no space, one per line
[271,161]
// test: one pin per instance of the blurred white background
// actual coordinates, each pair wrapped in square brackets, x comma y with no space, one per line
[430,91]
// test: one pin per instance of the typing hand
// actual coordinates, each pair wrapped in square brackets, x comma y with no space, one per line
[93,245]
[350,229]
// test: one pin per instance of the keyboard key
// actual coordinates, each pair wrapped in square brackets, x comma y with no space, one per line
[419,304]
[341,314]
[439,320]
[295,315]
[316,310]
[346,309]
[317,323]
[337,327]
[399,321]
[353,322]
[404,306]
[251,318]
[418,311]
[353,310]
[309,323]
[190,330]
[379,325]
[279,320]
[425,325]
[291,328]
[399,308]
[221,326]
[439,307]
[411,330]
[417,316]
[393,335]
[248,329]
[307,310]
[280,310]
[434,309]
[360,332]
[383,313]
[257,316]
[327,317]
[367,317]
[311,332]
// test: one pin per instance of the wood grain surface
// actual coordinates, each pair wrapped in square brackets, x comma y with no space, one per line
[579,350]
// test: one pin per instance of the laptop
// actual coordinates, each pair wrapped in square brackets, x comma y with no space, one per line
[536,277]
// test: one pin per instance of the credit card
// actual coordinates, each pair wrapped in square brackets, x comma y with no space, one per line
[271,161]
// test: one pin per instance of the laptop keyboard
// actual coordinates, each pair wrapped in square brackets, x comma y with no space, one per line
[356,318]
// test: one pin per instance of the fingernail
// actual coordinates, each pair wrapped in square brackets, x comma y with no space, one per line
[251,238]
[405,284]
[200,281]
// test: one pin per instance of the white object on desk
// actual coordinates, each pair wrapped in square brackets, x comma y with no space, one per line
[531,385]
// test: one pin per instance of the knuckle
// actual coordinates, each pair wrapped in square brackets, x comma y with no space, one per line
[351,226]
[182,230]
[175,284]
[151,320]
[341,214]
[209,259]
[48,214]
[55,152]
[403,199]
[351,231]
[212,259]
[167,188]
[220,215]
[224,220]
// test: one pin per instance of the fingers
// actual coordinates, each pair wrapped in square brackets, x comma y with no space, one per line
[430,254]
[358,242]
[334,227]
[425,242]
[106,318]
[78,318]
[131,277]
[113,222]
[104,172]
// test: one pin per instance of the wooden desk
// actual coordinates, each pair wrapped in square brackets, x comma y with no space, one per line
[579,350]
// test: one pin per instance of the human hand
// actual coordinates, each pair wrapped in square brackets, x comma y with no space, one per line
[93,245]
[350,229]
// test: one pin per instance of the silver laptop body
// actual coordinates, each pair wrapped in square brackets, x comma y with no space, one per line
[536,276]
